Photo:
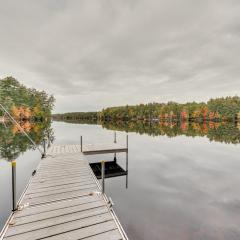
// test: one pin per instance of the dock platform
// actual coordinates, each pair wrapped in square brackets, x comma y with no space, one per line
[63,200]
[91,149]
[101,149]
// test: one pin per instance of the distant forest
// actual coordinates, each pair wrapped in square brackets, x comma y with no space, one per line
[219,109]
[71,116]
[24,103]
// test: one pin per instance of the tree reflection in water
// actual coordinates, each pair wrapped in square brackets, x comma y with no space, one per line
[13,142]
[215,131]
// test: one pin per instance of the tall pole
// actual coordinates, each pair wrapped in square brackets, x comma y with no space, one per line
[81,142]
[103,176]
[44,148]
[14,197]
[115,141]
[127,161]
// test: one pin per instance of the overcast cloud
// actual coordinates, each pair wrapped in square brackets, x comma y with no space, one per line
[96,53]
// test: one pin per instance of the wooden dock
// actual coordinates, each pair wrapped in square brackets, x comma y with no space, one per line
[63,200]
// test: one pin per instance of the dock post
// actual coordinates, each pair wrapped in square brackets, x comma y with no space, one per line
[14,200]
[81,143]
[127,152]
[115,141]
[44,148]
[127,161]
[103,176]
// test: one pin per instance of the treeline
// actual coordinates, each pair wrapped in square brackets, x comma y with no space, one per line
[75,116]
[219,109]
[24,103]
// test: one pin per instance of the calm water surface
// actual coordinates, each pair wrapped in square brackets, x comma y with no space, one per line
[181,188]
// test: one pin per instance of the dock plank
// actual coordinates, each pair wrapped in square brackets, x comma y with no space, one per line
[55,206]
[59,212]
[110,235]
[66,227]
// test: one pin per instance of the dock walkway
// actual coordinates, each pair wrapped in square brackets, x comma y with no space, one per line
[63,200]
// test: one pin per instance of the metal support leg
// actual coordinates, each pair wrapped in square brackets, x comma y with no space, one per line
[81,143]
[127,169]
[127,161]
[44,148]
[103,176]
[14,197]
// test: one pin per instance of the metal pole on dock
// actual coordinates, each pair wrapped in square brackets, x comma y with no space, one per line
[115,141]
[14,200]
[127,161]
[103,176]
[81,142]
[44,148]
[127,169]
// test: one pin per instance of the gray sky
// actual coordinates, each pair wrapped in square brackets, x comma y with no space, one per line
[96,53]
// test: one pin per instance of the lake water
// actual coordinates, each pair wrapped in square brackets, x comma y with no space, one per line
[183,181]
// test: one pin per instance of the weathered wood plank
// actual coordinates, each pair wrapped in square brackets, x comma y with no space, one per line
[59,212]
[69,175]
[59,196]
[89,231]
[60,219]
[109,235]
[66,228]
[55,187]
[41,190]
[68,203]
[58,171]
[59,183]
[58,191]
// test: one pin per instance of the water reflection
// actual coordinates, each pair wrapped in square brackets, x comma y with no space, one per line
[225,132]
[13,142]
[215,131]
